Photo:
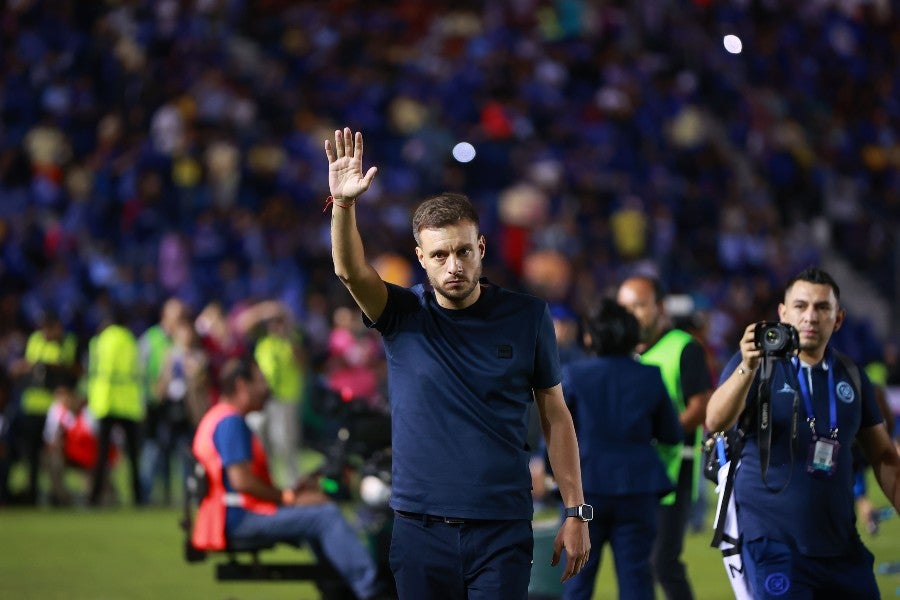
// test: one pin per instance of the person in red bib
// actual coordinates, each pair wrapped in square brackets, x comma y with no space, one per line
[243,505]
[70,438]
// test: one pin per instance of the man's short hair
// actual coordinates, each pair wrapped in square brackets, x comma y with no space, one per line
[613,330]
[446,208]
[817,276]
[233,370]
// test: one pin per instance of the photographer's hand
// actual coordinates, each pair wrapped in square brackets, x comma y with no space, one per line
[728,400]
[750,353]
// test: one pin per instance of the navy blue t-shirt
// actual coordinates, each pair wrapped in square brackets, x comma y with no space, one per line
[814,515]
[460,385]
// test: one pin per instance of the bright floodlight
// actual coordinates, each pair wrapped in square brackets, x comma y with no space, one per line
[732,44]
[464,152]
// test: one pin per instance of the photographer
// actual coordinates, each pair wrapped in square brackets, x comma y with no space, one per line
[801,404]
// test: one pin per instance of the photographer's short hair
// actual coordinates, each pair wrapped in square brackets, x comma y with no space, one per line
[447,208]
[613,330]
[817,276]
[233,370]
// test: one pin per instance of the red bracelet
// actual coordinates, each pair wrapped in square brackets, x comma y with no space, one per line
[330,200]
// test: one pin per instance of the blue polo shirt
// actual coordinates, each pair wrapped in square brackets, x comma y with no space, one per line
[234,442]
[813,515]
[460,386]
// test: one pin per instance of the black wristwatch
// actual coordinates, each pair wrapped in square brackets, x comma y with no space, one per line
[585,512]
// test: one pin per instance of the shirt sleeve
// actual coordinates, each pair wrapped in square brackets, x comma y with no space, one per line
[547,369]
[695,375]
[871,413]
[232,439]
[400,301]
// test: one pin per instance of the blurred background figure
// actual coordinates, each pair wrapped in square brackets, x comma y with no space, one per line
[220,339]
[683,363]
[70,435]
[866,511]
[282,359]
[183,386]
[114,397]
[354,368]
[6,450]
[153,345]
[621,410]
[50,354]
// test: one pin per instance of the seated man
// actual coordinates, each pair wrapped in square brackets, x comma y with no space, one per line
[70,438]
[243,505]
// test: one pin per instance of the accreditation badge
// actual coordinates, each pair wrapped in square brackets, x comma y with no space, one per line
[822,457]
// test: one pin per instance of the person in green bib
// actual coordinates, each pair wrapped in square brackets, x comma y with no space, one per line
[280,356]
[50,353]
[682,360]
[153,346]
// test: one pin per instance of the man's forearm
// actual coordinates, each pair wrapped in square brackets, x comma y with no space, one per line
[244,481]
[728,400]
[562,446]
[694,413]
[346,244]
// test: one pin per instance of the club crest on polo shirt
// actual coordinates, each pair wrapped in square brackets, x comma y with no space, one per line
[504,351]
[778,584]
[845,392]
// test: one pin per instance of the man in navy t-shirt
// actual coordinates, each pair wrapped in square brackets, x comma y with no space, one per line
[466,359]
[794,487]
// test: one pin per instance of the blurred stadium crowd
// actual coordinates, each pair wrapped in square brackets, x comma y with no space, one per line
[156,149]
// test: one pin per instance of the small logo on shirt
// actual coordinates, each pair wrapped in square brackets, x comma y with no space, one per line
[786,389]
[778,584]
[504,351]
[845,392]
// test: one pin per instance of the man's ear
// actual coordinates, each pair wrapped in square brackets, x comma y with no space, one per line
[421,256]
[839,318]
[481,245]
[781,309]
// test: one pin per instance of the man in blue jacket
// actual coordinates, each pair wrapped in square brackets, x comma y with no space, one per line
[621,410]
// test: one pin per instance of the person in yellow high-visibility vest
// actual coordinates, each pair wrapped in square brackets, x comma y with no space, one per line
[682,360]
[280,357]
[114,397]
[49,353]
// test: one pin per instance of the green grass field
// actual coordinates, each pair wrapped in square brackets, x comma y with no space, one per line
[126,553]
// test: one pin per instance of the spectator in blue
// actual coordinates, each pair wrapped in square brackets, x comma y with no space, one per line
[621,409]
[794,491]
[466,359]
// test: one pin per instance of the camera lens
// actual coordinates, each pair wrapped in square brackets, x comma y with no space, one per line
[773,338]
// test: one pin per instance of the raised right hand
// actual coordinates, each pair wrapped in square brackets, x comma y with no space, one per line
[345,176]
[750,354]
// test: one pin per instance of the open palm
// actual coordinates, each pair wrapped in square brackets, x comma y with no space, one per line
[345,174]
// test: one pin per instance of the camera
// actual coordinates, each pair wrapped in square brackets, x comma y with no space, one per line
[776,339]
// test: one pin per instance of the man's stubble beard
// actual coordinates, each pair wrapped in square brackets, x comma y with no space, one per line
[458,296]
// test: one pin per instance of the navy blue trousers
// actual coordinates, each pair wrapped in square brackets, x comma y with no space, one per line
[628,525]
[476,560]
[775,571]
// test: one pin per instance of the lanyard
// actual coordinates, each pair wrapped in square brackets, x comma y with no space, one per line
[807,397]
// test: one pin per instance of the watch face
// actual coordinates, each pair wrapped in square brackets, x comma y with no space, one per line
[587,512]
